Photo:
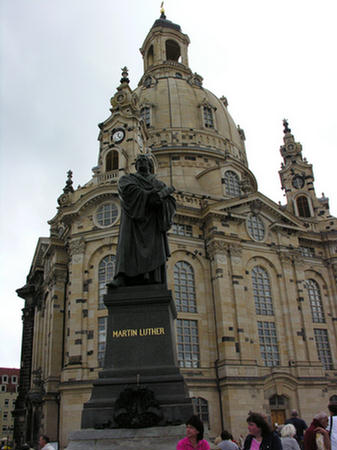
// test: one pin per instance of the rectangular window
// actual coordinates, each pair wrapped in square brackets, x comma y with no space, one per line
[323,348]
[14,379]
[182,229]
[307,251]
[208,117]
[5,415]
[188,343]
[3,388]
[268,343]
[4,378]
[146,116]
[6,402]
[102,329]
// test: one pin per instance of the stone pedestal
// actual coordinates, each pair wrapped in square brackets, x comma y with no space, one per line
[155,438]
[140,359]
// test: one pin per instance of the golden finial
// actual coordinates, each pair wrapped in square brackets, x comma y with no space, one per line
[162,10]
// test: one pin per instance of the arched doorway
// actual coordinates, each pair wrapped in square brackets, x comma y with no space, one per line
[278,406]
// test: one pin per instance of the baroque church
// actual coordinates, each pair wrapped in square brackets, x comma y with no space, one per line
[254,282]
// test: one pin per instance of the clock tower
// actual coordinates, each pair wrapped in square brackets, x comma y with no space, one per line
[122,136]
[297,179]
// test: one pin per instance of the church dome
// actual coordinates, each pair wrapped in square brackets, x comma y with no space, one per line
[179,106]
[185,121]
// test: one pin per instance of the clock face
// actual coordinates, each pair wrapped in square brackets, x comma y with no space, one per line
[298,182]
[118,136]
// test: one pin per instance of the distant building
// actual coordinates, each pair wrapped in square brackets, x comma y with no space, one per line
[9,382]
[254,282]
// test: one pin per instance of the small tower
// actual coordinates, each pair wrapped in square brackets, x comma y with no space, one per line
[122,136]
[297,180]
[165,46]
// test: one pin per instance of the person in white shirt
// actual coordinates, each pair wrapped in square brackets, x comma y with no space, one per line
[44,443]
[332,424]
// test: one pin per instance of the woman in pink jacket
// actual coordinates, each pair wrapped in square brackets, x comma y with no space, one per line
[194,436]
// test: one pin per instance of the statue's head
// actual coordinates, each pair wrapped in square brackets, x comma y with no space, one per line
[144,161]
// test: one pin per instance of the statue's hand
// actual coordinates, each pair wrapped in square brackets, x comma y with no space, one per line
[166,191]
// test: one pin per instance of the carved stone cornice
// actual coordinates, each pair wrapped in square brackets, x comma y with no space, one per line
[185,200]
[213,247]
[77,247]
[221,247]
[235,250]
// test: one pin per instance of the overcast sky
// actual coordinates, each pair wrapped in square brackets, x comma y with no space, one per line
[60,63]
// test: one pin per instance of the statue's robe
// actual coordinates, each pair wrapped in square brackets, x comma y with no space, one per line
[146,217]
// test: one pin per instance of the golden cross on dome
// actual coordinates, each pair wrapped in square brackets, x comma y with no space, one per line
[162,10]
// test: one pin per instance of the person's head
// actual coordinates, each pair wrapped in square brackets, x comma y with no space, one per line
[322,418]
[332,406]
[294,413]
[225,435]
[288,430]
[143,164]
[194,428]
[257,425]
[43,440]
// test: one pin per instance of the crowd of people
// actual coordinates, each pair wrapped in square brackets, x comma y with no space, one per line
[293,435]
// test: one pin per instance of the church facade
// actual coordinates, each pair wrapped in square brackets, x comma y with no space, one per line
[254,282]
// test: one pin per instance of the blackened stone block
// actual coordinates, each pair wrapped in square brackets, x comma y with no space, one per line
[140,354]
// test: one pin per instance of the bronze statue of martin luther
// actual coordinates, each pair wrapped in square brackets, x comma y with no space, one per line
[147,213]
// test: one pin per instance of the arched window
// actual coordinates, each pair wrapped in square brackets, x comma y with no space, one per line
[200,408]
[315,300]
[106,270]
[184,287]
[232,183]
[255,227]
[111,161]
[172,50]
[262,292]
[303,206]
[150,56]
